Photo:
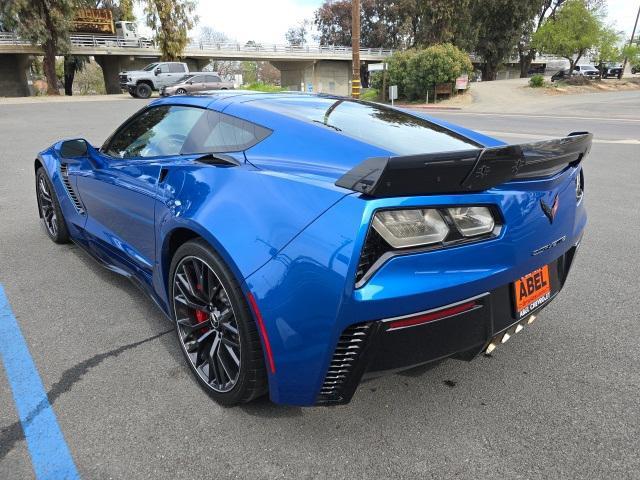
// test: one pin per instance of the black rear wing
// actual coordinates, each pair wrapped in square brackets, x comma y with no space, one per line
[471,170]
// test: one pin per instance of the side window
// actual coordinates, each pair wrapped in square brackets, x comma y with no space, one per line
[218,133]
[164,68]
[213,78]
[176,68]
[197,79]
[158,131]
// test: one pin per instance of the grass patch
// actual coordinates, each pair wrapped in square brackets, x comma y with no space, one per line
[370,94]
[263,87]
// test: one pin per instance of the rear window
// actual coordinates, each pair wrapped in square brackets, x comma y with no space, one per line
[384,127]
[168,130]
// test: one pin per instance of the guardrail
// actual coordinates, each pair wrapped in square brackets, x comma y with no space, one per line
[112,41]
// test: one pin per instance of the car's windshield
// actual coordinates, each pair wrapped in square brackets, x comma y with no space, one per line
[151,66]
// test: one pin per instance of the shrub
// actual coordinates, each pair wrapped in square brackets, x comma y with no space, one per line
[536,81]
[375,80]
[416,72]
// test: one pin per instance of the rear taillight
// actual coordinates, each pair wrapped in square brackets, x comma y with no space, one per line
[579,186]
[404,231]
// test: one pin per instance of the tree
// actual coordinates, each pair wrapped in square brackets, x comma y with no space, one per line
[433,21]
[171,20]
[121,10]
[574,30]
[44,23]
[499,24]
[382,23]
[211,36]
[607,48]
[397,23]
[72,64]
[526,52]
[417,71]
[298,35]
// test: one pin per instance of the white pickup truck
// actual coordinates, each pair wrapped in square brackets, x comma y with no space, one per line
[153,77]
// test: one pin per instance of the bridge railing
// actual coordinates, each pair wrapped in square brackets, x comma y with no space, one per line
[111,41]
[267,48]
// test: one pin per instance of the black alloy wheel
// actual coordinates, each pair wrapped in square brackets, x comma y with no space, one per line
[215,328]
[50,211]
[181,91]
[143,90]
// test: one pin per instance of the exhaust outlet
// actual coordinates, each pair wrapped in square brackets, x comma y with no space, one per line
[504,337]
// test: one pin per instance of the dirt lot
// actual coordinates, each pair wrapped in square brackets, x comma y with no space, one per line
[607,85]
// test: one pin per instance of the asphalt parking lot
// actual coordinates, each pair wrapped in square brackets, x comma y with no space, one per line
[560,400]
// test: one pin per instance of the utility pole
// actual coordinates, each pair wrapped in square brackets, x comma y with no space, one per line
[633,34]
[355,48]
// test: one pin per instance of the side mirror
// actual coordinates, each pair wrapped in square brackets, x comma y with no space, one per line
[190,82]
[77,147]
[157,71]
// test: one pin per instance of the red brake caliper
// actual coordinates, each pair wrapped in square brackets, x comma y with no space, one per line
[201,315]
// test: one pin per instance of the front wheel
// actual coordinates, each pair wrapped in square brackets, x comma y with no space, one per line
[50,212]
[215,328]
[181,91]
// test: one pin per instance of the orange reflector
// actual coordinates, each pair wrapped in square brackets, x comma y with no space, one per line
[263,331]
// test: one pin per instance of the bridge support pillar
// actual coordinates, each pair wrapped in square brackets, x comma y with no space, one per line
[197,64]
[320,76]
[13,75]
[111,66]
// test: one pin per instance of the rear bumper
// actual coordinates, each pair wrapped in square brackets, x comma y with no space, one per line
[372,348]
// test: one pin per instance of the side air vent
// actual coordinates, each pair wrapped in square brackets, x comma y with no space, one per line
[346,366]
[64,174]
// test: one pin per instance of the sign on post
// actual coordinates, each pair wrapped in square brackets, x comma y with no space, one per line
[393,93]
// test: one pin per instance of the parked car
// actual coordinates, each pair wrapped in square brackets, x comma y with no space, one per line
[564,74]
[588,71]
[153,77]
[561,75]
[611,70]
[299,241]
[196,82]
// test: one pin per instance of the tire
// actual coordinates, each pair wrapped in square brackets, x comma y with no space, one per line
[143,91]
[49,208]
[181,91]
[205,330]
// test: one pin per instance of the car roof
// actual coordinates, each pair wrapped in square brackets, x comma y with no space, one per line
[220,99]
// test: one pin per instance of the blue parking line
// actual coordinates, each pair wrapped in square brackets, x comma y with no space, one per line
[50,455]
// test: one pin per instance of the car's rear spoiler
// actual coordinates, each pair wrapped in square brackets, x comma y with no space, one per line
[472,170]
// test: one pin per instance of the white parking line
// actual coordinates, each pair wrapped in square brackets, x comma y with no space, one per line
[624,141]
[567,117]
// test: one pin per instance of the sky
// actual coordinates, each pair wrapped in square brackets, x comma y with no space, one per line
[267,21]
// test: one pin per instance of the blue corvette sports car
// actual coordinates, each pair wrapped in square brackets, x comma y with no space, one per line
[301,242]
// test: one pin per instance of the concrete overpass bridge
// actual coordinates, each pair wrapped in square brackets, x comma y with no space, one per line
[325,68]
